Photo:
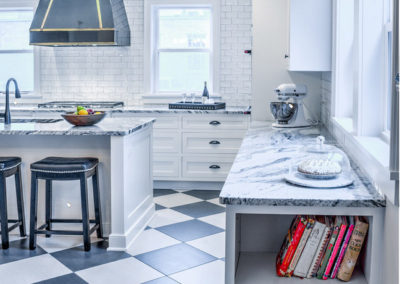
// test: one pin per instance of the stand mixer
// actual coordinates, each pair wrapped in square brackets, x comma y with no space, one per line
[290,114]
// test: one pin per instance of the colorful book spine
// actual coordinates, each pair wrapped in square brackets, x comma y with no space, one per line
[300,247]
[310,250]
[353,250]
[328,252]
[292,247]
[335,251]
[320,252]
[342,251]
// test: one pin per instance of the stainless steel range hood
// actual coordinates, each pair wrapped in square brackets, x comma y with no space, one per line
[80,23]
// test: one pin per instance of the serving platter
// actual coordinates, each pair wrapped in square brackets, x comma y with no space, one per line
[299,179]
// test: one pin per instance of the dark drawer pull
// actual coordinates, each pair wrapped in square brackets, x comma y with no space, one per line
[215,142]
[215,122]
[214,167]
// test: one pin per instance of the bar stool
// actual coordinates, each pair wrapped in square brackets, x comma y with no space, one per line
[10,166]
[60,168]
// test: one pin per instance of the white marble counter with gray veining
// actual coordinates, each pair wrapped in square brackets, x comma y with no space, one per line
[148,109]
[266,154]
[106,127]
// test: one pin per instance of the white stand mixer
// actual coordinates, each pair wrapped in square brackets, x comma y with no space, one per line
[290,114]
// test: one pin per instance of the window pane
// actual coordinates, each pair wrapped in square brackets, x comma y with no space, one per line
[18,66]
[14,29]
[184,28]
[183,71]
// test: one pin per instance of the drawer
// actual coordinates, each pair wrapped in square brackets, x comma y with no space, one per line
[165,166]
[166,141]
[210,167]
[206,122]
[163,122]
[218,143]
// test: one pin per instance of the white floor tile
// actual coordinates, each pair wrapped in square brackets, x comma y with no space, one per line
[128,270]
[150,240]
[166,217]
[216,220]
[216,201]
[176,199]
[210,273]
[32,270]
[214,244]
[58,242]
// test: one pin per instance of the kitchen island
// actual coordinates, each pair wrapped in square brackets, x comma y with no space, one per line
[260,205]
[124,148]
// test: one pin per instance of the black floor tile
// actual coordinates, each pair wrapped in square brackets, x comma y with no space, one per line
[203,194]
[19,250]
[175,258]
[159,207]
[65,279]
[199,209]
[77,259]
[189,230]
[161,192]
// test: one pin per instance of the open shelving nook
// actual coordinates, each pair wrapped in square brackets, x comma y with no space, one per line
[254,235]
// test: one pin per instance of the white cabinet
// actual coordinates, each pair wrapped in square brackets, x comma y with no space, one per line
[310,35]
[194,147]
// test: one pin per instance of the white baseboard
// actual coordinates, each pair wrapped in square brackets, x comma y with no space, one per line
[188,185]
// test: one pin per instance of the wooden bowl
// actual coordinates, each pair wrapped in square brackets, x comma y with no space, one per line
[83,120]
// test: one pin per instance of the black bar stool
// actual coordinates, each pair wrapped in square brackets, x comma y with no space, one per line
[59,168]
[11,166]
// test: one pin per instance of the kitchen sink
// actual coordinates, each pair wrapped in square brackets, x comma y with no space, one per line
[32,120]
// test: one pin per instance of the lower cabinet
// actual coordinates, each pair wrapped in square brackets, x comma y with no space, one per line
[195,147]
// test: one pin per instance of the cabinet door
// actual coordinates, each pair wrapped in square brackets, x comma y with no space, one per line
[310,32]
[212,143]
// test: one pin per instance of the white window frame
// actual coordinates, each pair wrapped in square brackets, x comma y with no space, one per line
[25,6]
[362,134]
[150,62]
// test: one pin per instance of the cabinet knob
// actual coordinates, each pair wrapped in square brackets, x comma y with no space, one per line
[215,122]
[214,167]
[286,56]
[215,142]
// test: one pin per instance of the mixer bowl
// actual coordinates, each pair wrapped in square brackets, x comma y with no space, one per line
[283,112]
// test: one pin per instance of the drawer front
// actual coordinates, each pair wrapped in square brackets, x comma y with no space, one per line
[219,143]
[163,122]
[215,122]
[206,167]
[165,166]
[166,141]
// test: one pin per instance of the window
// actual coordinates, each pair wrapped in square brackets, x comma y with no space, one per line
[182,46]
[16,55]
[389,65]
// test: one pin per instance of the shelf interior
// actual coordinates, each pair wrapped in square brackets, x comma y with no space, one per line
[259,268]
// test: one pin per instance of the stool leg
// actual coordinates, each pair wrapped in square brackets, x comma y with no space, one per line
[49,205]
[33,215]
[97,204]
[85,212]
[3,212]
[20,202]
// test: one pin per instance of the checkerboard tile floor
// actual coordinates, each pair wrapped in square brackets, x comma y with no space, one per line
[183,243]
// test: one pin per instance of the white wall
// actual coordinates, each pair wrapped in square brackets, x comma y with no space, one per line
[117,73]
[270,41]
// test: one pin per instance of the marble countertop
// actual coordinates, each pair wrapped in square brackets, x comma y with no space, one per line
[106,127]
[32,108]
[266,154]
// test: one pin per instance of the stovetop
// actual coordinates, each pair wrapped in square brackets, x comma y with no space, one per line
[73,104]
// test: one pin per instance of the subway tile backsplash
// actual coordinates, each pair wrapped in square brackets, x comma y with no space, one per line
[117,73]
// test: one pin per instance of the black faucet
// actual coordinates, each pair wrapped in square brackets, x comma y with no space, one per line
[7,114]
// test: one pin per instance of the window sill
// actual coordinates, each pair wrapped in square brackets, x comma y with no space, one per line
[375,146]
[168,98]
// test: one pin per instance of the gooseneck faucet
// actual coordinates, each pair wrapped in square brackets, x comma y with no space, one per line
[7,114]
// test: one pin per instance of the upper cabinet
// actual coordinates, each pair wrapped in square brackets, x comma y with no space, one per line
[310,35]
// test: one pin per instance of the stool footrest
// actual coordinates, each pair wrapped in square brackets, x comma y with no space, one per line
[63,232]
[14,226]
[69,221]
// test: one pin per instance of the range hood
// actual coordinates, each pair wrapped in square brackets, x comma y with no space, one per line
[80,23]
